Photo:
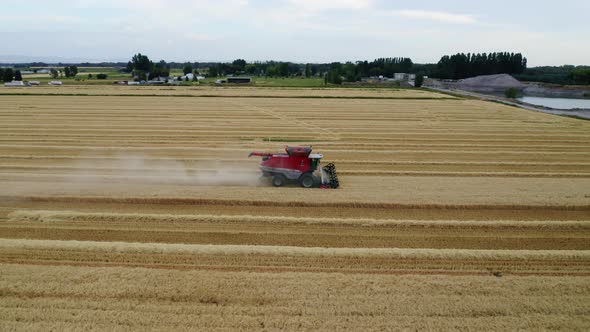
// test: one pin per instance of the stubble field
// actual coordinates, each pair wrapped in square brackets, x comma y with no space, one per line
[122,211]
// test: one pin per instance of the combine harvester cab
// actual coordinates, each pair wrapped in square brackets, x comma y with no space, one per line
[297,165]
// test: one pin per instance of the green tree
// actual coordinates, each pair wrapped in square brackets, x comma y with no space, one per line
[308,70]
[129,67]
[18,76]
[334,77]
[251,69]
[239,65]
[67,71]
[53,73]
[419,80]
[283,69]
[142,63]
[101,76]
[581,76]
[213,71]
[187,69]
[8,75]
[511,93]
[160,69]
[350,72]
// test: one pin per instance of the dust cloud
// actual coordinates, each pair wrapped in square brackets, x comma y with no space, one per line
[151,170]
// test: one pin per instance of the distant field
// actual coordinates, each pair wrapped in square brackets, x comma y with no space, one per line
[226,91]
[137,207]
[115,74]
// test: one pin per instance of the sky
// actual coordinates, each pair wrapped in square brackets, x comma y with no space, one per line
[546,32]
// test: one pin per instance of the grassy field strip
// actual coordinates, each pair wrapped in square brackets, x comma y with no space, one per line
[582,256]
[52,216]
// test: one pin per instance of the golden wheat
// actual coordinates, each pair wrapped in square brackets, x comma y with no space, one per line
[120,210]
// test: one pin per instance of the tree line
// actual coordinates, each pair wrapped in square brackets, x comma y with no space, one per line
[9,75]
[574,75]
[463,65]
[456,66]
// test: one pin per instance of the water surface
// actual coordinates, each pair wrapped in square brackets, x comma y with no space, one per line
[558,103]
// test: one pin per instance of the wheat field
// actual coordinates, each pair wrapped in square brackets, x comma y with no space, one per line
[138,208]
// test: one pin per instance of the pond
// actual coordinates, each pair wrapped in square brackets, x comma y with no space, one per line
[558,103]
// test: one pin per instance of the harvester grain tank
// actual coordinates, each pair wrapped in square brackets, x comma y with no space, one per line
[297,165]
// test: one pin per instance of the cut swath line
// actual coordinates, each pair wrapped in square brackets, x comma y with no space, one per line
[234,202]
[73,216]
[394,253]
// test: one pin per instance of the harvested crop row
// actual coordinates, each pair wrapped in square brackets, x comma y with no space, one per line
[296,231]
[67,297]
[11,204]
[281,258]
[52,216]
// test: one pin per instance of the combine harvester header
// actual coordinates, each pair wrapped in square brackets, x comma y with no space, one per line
[297,165]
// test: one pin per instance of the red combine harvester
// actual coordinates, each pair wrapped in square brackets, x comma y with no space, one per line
[298,165]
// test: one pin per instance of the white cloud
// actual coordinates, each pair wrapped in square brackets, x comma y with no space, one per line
[436,16]
[199,37]
[319,5]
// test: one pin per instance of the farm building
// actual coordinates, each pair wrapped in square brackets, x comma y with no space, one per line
[404,77]
[14,83]
[240,80]
[191,76]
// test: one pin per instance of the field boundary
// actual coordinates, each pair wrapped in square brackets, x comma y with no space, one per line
[230,202]
[61,216]
[209,249]
[222,96]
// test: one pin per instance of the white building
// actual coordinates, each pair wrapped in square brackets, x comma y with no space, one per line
[400,76]
[191,76]
[14,83]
